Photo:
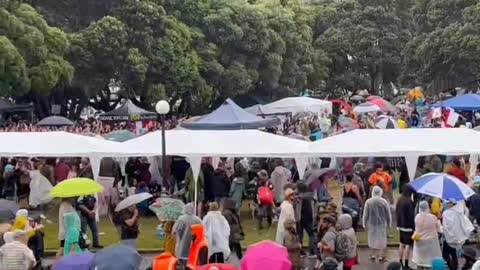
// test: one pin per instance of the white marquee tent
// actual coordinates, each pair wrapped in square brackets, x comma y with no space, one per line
[296,105]
[408,143]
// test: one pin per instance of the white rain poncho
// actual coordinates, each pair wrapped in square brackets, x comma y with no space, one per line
[376,219]
[286,213]
[39,189]
[280,178]
[427,228]
[456,226]
[217,232]
[183,230]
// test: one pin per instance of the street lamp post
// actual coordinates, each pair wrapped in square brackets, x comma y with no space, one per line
[162,107]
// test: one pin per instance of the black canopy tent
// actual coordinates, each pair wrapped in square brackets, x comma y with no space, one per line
[128,112]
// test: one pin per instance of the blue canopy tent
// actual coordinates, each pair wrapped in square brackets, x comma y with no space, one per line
[230,116]
[467,102]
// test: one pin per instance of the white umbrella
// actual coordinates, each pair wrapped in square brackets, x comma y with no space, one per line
[386,122]
[132,200]
[366,107]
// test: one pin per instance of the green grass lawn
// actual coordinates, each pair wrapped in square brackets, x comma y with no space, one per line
[148,239]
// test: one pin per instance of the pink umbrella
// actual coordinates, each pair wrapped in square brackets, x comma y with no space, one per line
[266,255]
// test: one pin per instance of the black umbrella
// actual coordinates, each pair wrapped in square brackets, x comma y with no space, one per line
[56,121]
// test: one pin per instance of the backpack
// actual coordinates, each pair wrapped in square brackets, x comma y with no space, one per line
[343,246]
[265,195]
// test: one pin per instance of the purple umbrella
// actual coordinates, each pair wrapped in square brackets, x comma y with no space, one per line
[75,261]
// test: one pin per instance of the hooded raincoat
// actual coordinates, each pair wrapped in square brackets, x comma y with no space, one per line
[72,233]
[280,178]
[426,247]
[39,189]
[237,190]
[456,226]
[376,219]
[182,230]
[286,213]
[217,232]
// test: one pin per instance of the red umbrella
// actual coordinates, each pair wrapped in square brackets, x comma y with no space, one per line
[343,104]
[216,266]
[382,103]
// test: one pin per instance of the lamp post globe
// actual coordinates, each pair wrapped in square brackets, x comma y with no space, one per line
[162,107]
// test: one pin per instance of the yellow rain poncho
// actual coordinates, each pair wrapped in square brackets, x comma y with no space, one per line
[21,223]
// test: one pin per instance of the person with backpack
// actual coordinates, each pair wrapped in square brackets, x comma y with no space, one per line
[346,242]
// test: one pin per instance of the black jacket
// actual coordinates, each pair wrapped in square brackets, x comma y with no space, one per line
[405,213]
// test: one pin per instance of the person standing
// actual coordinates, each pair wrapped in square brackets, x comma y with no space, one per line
[15,255]
[405,216]
[293,245]
[456,229]
[327,243]
[426,246]
[286,212]
[238,189]
[217,232]
[86,206]
[344,225]
[376,219]
[236,231]
[66,206]
[61,170]
[85,169]
[265,199]
[280,177]
[182,229]
[128,219]
[304,206]
[457,170]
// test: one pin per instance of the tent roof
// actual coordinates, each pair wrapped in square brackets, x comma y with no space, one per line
[467,102]
[7,106]
[230,116]
[297,104]
[128,112]
[399,142]
[54,144]
[55,120]
[223,143]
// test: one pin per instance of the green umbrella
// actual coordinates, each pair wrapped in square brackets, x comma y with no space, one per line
[167,209]
[120,135]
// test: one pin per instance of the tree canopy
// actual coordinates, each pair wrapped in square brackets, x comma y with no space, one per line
[196,53]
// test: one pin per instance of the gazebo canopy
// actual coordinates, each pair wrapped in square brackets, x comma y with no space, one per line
[55,121]
[7,106]
[230,116]
[128,112]
[467,102]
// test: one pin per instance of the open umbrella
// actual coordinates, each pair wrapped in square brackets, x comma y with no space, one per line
[356,98]
[8,209]
[55,121]
[314,179]
[117,257]
[132,200]
[167,209]
[382,103]
[120,135]
[75,261]
[366,107]
[266,255]
[443,186]
[75,187]
[386,122]
[216,266]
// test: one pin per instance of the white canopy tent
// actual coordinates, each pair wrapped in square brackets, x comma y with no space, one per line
[408,143]
[297,105]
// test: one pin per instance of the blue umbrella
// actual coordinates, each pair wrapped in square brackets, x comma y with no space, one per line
[443,186]
[75,261]
[117,257]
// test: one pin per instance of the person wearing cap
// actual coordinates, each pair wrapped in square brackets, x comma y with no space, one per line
[456,230]
[16,255]
[286,212]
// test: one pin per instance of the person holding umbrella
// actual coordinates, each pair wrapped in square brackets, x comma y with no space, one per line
[127,218]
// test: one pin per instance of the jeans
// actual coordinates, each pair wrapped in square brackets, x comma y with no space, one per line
[92,223]
[450,255]
[308,227]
